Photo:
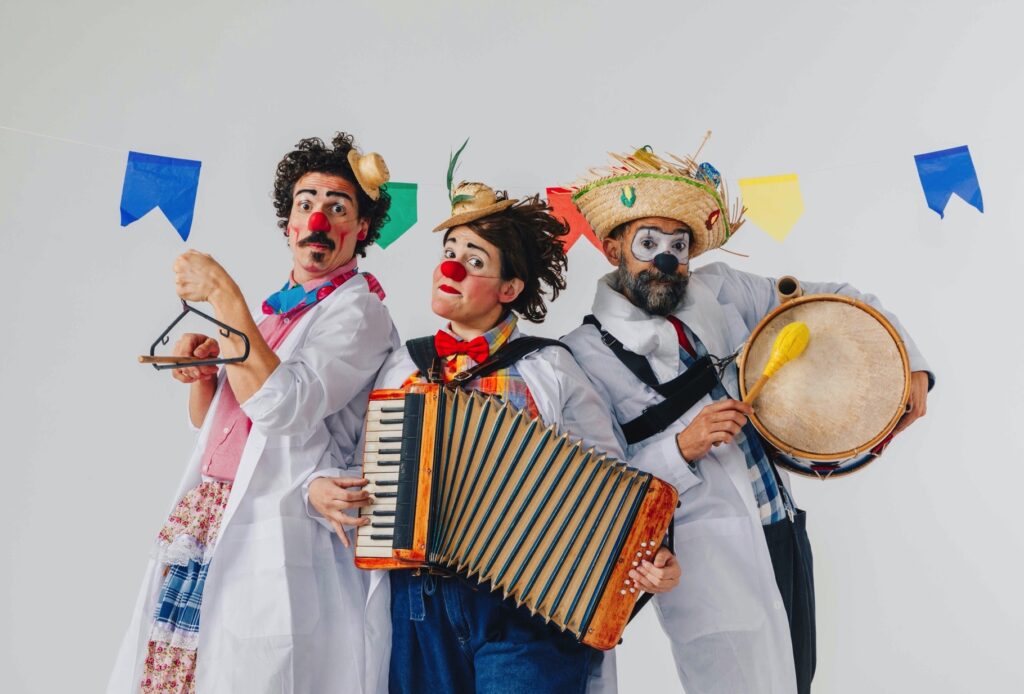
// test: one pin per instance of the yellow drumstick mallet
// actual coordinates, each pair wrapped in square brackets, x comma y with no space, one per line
[789,344]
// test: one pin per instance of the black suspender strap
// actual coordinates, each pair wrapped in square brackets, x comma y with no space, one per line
[424,355]
[700,380]
[636,363]
[681,393]
[509,354]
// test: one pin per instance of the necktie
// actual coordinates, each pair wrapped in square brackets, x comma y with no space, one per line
[684,341]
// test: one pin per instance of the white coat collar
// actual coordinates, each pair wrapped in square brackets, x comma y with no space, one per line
[653,336]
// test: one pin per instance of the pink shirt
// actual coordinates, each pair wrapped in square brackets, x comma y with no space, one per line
[230,428]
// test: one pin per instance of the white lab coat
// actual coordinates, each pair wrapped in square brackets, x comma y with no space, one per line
[726,620]
[283,605]
[564,397]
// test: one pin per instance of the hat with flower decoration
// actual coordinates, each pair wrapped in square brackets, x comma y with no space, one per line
[471,200]
[643,184]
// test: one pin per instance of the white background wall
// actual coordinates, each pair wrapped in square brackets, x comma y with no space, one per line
[918,558]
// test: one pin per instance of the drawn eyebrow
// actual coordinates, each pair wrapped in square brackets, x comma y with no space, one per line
[473,245]
[305,190]
[451,240]
[662,231]
[339,194]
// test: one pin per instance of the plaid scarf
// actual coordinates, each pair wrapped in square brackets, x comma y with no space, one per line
[771,503]
[507,384]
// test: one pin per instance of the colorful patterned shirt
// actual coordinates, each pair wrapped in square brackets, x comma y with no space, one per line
[508,384]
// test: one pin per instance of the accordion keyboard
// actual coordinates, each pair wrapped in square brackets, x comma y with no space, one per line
[381,461]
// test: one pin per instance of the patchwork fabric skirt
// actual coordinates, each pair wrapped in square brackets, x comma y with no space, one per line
[191,528]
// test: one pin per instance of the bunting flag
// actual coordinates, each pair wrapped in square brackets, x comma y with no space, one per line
[774,203]
[946,172]
[170,184]
[401,214]
[562,207]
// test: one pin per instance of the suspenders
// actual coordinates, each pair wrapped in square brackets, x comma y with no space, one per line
[425,357]
[681,393]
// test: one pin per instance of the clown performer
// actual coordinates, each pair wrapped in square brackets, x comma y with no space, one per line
[281,604]
[498,259]
[742,619]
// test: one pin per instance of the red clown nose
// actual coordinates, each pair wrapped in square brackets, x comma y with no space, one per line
[318,222]
[453,271]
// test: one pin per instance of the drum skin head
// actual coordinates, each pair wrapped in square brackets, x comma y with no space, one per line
[844,394]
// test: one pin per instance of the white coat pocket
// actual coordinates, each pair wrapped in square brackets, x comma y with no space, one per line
[720,588]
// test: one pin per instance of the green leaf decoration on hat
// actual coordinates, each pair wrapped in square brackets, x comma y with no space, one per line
[628,196]
[452,163]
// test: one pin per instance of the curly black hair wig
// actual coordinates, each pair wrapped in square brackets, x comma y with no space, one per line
[312,155]
[530,242]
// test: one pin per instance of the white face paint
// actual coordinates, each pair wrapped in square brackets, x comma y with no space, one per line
[651,241]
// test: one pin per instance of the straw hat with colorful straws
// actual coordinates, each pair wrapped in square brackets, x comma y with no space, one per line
[642,184]
[471,200]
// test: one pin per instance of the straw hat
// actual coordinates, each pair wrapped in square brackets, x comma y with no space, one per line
[472,201]
[643,184]
[370,170]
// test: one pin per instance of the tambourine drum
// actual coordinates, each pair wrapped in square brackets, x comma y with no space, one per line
[832,410]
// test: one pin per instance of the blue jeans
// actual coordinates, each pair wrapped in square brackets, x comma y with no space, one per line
[453,635]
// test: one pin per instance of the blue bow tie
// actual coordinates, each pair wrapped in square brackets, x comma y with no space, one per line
[287,299]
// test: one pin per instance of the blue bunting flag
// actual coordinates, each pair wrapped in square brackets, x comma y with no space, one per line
[946,172]
[165,182]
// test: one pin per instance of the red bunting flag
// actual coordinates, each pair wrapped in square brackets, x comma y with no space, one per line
[562,207]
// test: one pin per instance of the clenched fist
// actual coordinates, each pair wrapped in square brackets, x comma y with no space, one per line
[200,346]
[717,423]
[198,276]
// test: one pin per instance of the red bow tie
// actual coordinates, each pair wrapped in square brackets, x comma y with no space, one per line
[477,349]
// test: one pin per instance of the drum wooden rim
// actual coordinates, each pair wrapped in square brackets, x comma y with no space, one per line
[810,455]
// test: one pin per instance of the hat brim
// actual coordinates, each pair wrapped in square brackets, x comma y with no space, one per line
[473,215]
[353,162]
[604,204]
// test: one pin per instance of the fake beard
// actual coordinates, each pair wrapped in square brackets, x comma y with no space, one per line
[649,291]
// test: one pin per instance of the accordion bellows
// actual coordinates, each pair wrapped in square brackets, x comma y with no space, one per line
[467,484]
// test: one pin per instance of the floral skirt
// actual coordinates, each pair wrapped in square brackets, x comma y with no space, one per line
[190,530]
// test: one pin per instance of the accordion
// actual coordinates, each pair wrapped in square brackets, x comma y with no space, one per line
[464,483]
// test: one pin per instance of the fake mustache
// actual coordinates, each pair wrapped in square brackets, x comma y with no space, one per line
[318,237]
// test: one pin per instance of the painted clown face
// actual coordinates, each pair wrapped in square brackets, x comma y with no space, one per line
[652,257]
[467,287]
[324,225]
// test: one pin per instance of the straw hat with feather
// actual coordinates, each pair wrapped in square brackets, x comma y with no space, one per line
[471,200]
[642,184]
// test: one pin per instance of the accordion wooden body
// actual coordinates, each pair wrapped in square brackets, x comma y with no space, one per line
[463,483]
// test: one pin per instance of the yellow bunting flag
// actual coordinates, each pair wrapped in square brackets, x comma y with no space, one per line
[773,203]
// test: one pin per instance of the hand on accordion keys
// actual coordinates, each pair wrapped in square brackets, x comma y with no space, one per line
[333,496]
[658,576]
